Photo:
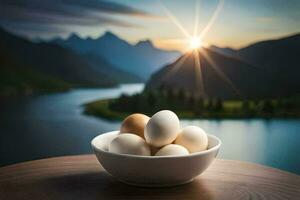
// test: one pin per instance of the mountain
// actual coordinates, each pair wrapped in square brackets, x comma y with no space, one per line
[223,77]
[225,51]
[264,69]
[141,59]
[280,57]
[100,64]
[25,65]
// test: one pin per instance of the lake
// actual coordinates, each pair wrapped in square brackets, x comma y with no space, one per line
[53,125]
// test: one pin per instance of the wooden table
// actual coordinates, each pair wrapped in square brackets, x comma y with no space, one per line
[81,177]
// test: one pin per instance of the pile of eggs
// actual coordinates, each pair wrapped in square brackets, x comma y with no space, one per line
[159,135]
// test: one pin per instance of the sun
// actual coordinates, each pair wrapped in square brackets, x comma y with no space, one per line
[195,43]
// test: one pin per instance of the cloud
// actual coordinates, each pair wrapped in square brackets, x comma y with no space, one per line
[27,30]
[21,15]
[108,7]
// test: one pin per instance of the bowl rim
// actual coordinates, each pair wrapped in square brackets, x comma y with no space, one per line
[219,143]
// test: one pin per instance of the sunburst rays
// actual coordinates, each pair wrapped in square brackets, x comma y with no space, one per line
[196,20]
[176,67]
[212,19]
[174,19]
[195,52]
[219,72]
[198,73]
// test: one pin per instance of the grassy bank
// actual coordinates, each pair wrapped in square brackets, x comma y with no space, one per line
[101,108]
[27,82]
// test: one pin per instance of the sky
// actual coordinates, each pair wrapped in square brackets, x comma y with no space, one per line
[238,23]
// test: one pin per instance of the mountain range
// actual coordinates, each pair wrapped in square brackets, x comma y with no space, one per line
[25,65]
[264,69]
[141,59]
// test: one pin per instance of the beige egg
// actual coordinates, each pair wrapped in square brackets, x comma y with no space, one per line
[134,124]
[129,144]
[162,128]
[172,150]
[193,138]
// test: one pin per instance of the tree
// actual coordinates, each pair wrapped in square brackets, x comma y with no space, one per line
[118,104]
[267,106]
[191,102]
[171,99]
[218,105]
[246,106]
[180,100]
[199,106]
[151,98]
[150,102]
[209,105]
[170,95]
[135,104]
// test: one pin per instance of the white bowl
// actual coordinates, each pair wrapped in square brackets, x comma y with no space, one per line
[153,171]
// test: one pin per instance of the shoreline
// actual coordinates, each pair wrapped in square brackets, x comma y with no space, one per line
[100,109]
[34,92]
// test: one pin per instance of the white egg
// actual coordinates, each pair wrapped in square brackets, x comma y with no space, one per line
[172,150]
[127,143]
[193,138]
[105,141]
[162,128]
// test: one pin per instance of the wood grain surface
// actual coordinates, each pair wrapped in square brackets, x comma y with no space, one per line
[81,177]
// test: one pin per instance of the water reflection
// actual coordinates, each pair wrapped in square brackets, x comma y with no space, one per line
[268,142]
[53,125]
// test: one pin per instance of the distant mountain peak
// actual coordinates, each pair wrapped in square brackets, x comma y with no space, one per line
[89,38]
[111,37]
[109,34]
[74,36]
[140,59]
[144,43]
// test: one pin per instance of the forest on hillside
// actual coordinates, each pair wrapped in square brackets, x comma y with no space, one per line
[189,106]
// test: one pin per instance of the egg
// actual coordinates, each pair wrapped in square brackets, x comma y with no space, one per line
[172,150]
[105,141]
[162,128]
[135,124]
[127,143]
[193,138]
